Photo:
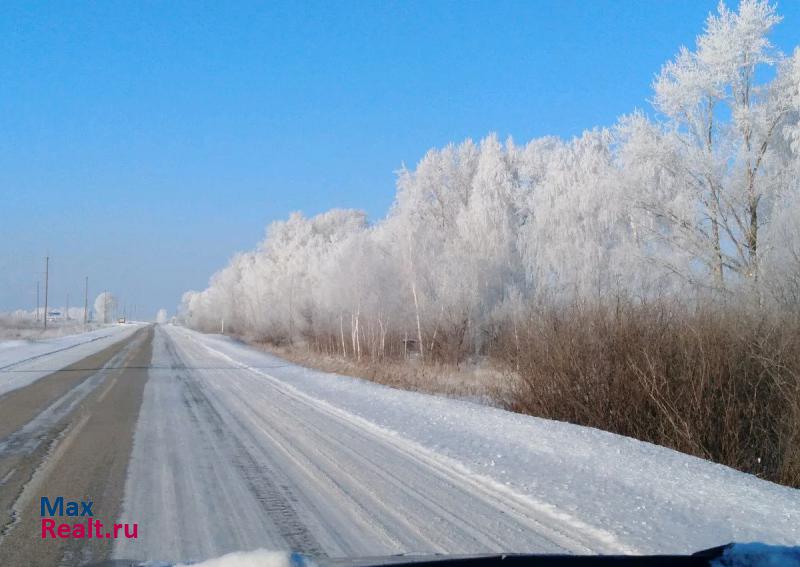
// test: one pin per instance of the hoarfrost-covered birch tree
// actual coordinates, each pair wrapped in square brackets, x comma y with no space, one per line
[105,305]
[722,127]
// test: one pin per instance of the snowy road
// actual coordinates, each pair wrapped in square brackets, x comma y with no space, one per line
[236,449]
[231,460]
[69,434]
[211,446]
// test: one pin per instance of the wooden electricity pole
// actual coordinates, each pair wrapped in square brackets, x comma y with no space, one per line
[85,300]
[46,283]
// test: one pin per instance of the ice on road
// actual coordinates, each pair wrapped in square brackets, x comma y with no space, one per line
[236,449]
[22,362]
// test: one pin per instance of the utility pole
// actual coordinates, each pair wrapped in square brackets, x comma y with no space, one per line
[85,300]
[37,300]
[46,283]
[66,311]
[105,307]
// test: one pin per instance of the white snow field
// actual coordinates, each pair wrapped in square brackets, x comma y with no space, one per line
[238,450]
[22,362]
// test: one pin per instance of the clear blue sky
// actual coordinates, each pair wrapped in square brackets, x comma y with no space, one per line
[143,143]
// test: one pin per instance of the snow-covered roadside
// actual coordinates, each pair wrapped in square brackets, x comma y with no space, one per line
[31,330]
[651,498]
[22,362]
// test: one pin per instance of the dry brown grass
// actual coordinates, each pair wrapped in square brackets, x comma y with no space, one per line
[721,385]
[482,383]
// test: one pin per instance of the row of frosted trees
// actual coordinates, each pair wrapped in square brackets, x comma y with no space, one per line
[700,201]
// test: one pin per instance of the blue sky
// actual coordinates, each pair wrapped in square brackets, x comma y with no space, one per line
[143,143]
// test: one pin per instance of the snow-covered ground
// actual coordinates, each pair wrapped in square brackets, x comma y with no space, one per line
[236,449]
[22,362]
[25,325]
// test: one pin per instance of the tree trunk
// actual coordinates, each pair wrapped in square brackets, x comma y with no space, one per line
[419,326]
[341,330]
[752,234]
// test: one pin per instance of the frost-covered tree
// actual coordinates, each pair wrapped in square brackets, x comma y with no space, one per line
[719,142]
[579,235]
[105,305]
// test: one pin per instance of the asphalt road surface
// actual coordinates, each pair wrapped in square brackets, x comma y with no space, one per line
[69,434]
